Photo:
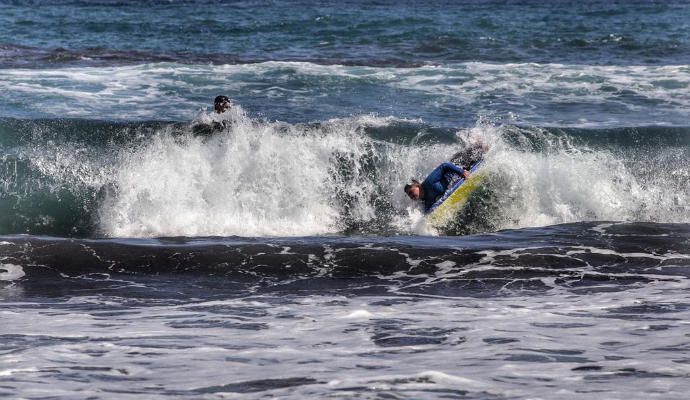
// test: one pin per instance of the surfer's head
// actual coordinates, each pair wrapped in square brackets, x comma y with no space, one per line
[221,104]
[414,190]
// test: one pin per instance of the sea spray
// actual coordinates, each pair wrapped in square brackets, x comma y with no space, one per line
[339,176]
[554,178]
[257,178]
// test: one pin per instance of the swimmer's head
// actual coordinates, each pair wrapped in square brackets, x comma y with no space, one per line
[221,104]
[414,190]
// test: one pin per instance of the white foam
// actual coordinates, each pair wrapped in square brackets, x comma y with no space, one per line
[442,377]
[11,371]
[359,314]
[144,91]
[261,178]
[275,179]
[572,183]
[257,179]
[11,272]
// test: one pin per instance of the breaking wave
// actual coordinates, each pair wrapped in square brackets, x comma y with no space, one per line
[260,178]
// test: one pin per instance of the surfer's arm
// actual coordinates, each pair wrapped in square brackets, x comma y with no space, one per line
[457,169]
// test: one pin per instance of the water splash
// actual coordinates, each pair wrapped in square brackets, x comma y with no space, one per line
[261,178]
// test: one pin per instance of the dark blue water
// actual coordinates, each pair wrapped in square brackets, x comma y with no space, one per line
[401,33]
[145,253]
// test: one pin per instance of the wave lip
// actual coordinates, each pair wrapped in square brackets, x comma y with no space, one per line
[341,176]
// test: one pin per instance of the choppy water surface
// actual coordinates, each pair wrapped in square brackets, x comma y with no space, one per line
[560,312]
[400,33]
[146,254]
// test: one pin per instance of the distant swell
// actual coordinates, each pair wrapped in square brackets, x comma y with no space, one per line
[19,56]
[351,33]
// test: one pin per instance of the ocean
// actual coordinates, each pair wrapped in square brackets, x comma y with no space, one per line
[150,248]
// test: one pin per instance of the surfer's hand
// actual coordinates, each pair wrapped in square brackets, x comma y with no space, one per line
[465,174]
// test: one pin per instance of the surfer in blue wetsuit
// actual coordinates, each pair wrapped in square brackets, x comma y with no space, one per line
[436,184]
[441,178]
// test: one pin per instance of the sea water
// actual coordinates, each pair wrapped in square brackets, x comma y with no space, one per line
[145,255]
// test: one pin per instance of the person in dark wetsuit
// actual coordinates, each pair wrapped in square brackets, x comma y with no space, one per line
[221,104]
[436,184]
[441,178]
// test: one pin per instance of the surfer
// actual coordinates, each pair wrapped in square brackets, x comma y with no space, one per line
[435,184]
[441,178]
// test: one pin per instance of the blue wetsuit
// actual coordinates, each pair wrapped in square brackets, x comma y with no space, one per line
[436,184]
